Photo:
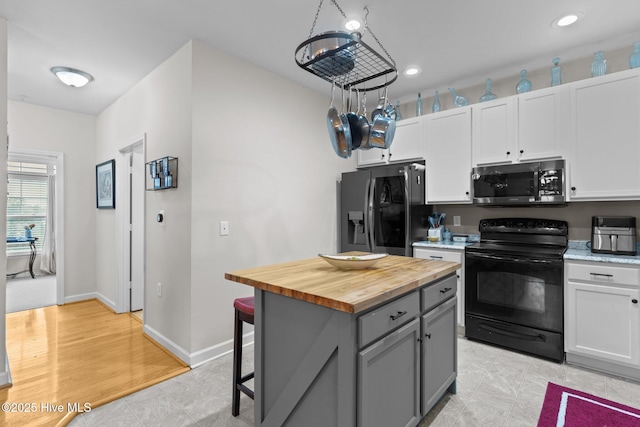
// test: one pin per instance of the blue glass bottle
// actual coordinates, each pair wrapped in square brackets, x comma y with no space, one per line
[436,103]
[458,100]
[599,65]
[524,85]
[556,72]
[419,105]
[634,59]
[398,115]
[488,95]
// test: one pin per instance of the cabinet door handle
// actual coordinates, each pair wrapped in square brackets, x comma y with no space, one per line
[428,336]
[508,153]
[397,315]
[573,188]
[601,274]
[521,151]
[635,301]
[435,257]
[445,290]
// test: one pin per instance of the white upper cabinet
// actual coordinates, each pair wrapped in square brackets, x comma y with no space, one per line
[543,123]
[494,132]
[407,144]
[448,156]
[604,151]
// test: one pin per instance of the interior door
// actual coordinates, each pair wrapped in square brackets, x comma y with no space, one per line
[137,230]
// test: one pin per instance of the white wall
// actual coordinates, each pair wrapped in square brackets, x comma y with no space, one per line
[262,160]
[160,106]
[253,150]
[73,134]
[4,372]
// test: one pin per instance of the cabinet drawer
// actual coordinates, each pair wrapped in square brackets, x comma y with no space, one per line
[438,292]
[604,273]
[387,317]
[453,256]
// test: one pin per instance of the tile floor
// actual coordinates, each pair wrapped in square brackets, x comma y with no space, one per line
[496,387]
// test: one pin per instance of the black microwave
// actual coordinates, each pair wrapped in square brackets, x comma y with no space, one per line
[535,183]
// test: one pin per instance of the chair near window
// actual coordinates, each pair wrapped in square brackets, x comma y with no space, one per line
[244,311]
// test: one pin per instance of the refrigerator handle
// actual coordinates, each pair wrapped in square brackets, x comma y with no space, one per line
[369,225]
[407,217]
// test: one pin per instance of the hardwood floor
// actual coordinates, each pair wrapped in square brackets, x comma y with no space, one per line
[77,354]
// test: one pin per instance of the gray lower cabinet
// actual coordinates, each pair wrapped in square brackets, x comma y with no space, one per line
[389,380]
[439,353]
[319,367]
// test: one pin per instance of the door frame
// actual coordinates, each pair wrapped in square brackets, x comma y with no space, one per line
[59,226]
[123,301]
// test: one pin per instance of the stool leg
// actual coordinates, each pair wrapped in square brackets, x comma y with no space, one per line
[237,364]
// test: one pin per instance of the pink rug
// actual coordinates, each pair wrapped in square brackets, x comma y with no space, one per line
[572,408]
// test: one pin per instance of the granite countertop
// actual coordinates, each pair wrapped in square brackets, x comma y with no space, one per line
[580,250]
[315,281]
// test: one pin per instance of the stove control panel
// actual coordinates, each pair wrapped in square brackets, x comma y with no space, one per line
[524,226]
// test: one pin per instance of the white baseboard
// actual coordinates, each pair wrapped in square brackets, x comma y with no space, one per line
[205,355]
[91,295]
[174,348]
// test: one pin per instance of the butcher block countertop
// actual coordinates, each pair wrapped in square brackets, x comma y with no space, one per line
[352,291]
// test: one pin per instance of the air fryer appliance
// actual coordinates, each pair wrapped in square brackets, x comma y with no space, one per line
[383,210]
[613,235]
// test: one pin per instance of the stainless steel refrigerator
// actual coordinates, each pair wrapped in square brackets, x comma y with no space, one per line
[382,209]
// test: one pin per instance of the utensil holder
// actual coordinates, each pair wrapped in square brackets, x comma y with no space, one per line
[436,232]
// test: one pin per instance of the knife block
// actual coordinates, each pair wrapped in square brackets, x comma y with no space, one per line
[435,233]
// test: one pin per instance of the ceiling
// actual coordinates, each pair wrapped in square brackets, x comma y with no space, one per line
[456,42]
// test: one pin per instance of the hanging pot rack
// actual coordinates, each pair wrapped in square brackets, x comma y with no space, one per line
[344,60]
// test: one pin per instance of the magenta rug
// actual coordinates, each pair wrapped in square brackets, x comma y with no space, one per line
[572,408]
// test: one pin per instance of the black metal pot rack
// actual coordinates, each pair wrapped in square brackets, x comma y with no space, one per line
[353,65]
[370,69]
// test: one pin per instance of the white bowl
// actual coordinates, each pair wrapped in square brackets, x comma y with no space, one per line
[353,262]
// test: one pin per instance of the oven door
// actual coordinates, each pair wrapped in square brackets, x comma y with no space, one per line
[525,291]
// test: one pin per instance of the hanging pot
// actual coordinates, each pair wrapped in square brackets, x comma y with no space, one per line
[363,124]
[354,125]
[340,62]
[383,129]
[339,130]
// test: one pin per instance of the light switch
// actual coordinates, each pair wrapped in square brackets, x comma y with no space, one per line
[224,228]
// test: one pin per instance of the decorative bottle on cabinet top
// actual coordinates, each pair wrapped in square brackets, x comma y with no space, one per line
[398,115]
[599,65]
[436,103]
[634,59]
[556,72]
[458,101]
[488,95]
[524,85]
[419,105]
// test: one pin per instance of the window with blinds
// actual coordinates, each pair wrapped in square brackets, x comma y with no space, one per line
[27,196]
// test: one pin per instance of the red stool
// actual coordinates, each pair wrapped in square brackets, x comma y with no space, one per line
[243,313]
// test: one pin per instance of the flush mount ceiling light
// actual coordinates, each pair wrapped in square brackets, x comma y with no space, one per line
[568,19]
[71,76]
[412,71]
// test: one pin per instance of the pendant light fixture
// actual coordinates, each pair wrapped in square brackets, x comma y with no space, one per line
[71,76]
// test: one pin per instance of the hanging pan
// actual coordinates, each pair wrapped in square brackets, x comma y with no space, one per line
[339,131]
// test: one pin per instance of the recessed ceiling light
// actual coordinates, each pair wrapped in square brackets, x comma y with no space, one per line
[352,24]
[71,76]
[568,19]
[412,70]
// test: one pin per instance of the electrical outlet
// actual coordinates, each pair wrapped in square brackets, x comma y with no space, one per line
[159,289]
[224,228]
[456,221]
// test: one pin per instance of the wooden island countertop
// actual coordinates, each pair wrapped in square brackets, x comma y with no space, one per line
[315,281]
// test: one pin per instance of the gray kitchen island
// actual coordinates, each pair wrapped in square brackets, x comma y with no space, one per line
[371,347]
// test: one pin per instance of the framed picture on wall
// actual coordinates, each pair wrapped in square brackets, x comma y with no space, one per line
[106,185]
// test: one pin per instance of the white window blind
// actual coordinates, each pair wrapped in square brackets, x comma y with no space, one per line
[27,196]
